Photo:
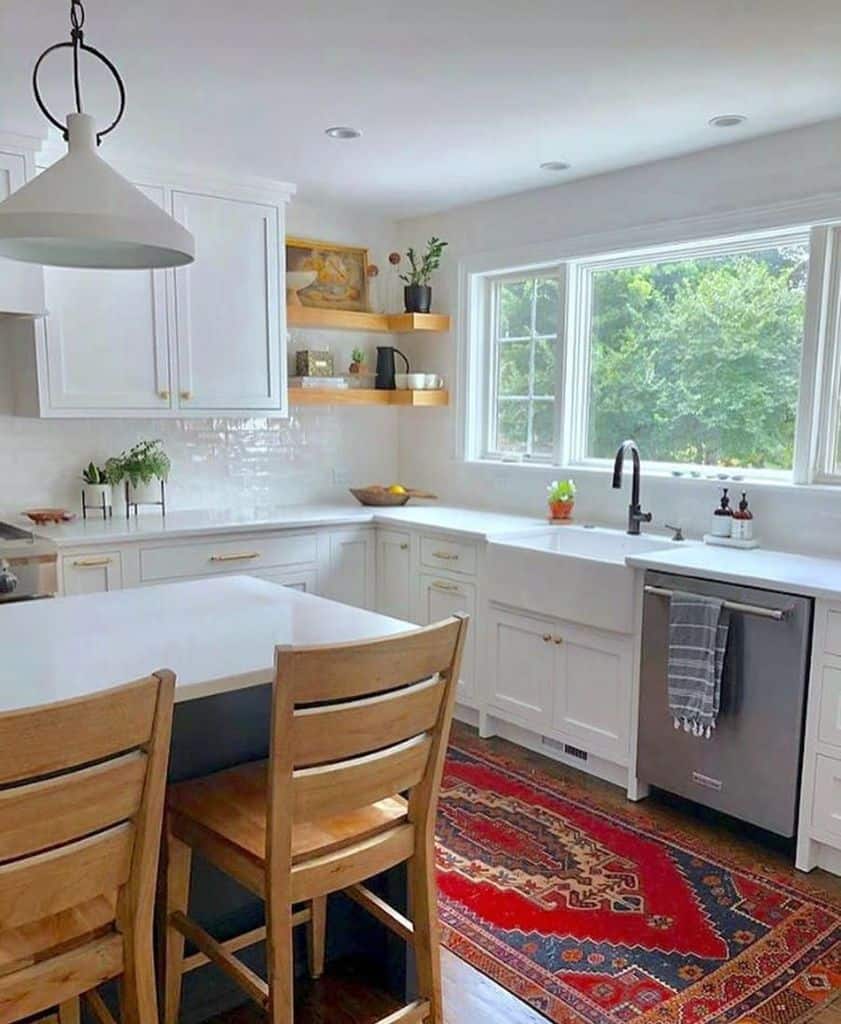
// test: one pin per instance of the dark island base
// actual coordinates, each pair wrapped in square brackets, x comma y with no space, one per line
[217,732]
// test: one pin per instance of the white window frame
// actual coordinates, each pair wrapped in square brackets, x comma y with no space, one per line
[577,425]
[819,406]
[490,399]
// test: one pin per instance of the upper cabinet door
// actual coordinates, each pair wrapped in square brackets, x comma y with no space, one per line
[106,338]
[21,284]
[228,310]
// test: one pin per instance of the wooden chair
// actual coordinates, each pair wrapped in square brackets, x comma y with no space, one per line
[82,787]
[353,727]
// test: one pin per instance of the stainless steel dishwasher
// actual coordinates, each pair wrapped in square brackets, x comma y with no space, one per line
[750,767]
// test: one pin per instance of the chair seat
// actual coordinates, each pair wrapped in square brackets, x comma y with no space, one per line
[232,806]
[51,936]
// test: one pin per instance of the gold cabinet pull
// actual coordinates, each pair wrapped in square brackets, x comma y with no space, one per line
[240,556]
[546,638]
[404,547]
[442,585]
[558,639]
[186,395]
[91,563]
[447,556]
[164,394]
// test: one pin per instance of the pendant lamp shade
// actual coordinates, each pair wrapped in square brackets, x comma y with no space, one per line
[81,213]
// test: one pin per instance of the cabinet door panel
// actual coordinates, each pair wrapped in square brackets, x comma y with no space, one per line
[350,575]
[94,573]
[592,695]
[394,585]
[522,667]
[441,598]
[227,305]
[106,338]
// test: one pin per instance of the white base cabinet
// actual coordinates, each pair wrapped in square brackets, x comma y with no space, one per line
[349,576]
[394,574]
[95,572]
[564,681]
[439,599]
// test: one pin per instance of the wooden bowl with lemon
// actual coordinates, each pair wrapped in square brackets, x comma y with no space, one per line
[394,495]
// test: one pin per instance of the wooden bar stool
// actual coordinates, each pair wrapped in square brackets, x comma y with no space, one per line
[82,786]
[353,728]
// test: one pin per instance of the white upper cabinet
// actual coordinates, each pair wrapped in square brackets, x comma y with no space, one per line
[228,306]
[21,284]
[206,339]
[106,339]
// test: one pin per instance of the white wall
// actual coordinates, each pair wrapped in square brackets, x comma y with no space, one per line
[220,462]
[779,169]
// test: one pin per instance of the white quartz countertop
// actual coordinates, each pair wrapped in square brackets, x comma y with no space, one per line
[216,635]
[770,570]
[475,523]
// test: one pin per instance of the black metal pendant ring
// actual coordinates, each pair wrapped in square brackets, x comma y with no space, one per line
[76,45]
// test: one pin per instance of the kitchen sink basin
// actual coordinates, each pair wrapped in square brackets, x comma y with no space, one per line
[573,573]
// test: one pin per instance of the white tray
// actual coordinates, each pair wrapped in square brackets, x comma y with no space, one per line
[730,542]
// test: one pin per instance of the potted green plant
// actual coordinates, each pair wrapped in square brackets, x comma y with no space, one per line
[417,295]
[561,495]
[96,487]
[357,361]
[144,466]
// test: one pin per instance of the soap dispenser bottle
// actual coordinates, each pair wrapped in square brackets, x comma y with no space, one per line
[742,520]
[723,517]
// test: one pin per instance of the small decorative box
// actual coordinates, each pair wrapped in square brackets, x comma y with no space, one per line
[313,364]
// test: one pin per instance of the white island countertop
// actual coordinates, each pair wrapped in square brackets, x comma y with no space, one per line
[477,523]
[216,635]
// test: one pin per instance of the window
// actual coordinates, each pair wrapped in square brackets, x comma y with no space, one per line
[524,314]
[700,352]
[697,355]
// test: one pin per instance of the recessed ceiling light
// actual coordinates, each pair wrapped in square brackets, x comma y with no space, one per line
[343,131]
[554,165]
[727,120]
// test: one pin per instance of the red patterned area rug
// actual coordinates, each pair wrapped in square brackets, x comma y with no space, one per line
[596,915]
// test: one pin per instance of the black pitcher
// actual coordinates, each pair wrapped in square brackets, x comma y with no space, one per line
[385,366]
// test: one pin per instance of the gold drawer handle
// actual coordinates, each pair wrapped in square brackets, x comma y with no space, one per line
[242,556]
[446,555]
[91,563]
[441,585]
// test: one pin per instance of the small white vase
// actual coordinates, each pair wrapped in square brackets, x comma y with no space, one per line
[145,494]
[94,494]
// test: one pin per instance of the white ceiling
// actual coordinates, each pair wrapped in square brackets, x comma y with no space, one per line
[459,100]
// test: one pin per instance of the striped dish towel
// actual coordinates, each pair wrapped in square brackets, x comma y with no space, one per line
[698,628]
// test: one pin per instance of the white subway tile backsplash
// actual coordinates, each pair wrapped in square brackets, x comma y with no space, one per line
[216,463]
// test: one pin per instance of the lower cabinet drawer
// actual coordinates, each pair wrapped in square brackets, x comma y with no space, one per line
[449,554]
[206,558]
[826,805]
[92,573]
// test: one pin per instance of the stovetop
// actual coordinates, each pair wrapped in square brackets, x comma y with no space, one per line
[10,532]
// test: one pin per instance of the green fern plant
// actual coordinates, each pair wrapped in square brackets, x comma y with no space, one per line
[423,267]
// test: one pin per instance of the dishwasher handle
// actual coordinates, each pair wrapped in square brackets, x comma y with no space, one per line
[778,614]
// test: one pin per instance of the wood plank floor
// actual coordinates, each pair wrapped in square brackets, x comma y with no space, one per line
[346,996]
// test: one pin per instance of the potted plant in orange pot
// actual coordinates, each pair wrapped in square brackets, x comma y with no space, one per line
[561,496]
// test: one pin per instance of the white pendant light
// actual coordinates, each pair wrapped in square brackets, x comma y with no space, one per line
[80,212]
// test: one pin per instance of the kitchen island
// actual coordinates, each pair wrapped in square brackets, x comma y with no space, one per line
[219,637]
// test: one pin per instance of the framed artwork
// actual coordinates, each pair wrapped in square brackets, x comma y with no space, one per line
[341,273]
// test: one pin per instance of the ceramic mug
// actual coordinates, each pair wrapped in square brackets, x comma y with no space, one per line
[415,381]
[401,380]
[433,382]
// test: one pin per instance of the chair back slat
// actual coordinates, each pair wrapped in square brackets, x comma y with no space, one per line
[60,809]
[339,731]
[337,788]
[345,671]
[81,799]
[47,883]
[40,741]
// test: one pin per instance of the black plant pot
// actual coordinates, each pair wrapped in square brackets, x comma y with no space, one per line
[417,298]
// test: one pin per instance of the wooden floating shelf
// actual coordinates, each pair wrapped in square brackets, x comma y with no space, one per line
[366,396]
[380,323]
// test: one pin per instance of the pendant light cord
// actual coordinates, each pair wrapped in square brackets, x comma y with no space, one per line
[78,44]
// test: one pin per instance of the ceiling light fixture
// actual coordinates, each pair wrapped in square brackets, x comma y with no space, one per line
[727,120]
[80,212]
[554,165]
[343,131]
